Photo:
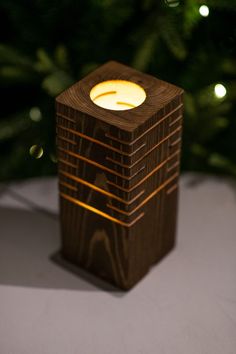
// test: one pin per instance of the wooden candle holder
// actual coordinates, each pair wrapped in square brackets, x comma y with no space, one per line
[118,176]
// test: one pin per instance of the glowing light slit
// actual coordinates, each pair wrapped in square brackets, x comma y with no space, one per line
[99,212]
[94,163]
[97,189]
[95,141]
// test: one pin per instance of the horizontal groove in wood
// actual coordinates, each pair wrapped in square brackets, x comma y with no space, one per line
[99,212]
[117,209]
[99,142]
[66,139]
[120,210]
[147,153]
[139,148]
[175,142]
[147,176]
[123,211]
[65,117]
[94,163]
[146,131]
[67,185]
[176,164]
[151,195]
[98,189]
[67,162]
[171,189]
[175,121]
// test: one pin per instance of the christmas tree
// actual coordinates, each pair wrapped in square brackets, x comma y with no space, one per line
[47,46]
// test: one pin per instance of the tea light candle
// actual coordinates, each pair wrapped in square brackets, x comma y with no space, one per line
[117,95]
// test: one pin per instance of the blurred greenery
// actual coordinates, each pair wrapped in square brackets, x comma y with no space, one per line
[45,46]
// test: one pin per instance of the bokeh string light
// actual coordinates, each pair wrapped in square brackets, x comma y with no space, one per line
[220,90]
[204,10]
[35,114]
[36,151]
[172,3]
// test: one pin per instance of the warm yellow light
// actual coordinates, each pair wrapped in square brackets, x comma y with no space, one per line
[220,90]
[204,10]
[99,212]
[118,95]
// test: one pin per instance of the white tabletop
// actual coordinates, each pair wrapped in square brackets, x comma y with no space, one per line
[186,304]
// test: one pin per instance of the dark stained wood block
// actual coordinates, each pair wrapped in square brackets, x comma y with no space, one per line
[118,176]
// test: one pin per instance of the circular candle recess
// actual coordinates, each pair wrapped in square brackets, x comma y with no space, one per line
[118,95]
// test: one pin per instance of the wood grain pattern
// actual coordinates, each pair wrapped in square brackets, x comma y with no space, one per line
[118,176]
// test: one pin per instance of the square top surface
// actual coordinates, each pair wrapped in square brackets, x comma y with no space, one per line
[158,95]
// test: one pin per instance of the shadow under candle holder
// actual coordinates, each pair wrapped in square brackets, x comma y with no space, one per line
[28,241]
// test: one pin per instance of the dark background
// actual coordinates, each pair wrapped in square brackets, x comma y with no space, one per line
[45,46]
